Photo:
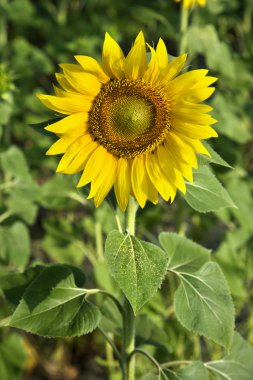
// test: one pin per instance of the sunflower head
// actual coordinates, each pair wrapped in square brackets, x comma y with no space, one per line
[129,123]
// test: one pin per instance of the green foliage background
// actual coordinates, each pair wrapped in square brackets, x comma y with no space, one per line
[43,218]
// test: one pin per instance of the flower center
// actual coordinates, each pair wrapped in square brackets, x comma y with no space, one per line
[129,117]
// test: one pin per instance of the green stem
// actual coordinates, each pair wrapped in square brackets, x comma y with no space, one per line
[129,317]
[129,341]
[131,215]
[184,18]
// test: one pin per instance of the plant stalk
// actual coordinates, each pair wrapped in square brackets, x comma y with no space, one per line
[129,317]
[184,18]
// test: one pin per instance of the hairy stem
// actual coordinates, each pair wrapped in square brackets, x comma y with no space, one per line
[129,317]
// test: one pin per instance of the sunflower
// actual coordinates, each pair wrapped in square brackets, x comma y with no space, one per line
[192,3]
[131,124]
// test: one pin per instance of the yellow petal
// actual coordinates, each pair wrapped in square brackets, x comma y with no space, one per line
[194,131]
[72,151]
[169,170]
[139,180]
[162,54]
[91,65]
[66,105]
[205,82]
[157,177]
[202,3]
[196,145]
[113,58]
[79,161]
[173,69]
[60,146]
[93,166]
[68,123]
[136,60]
[58,91]
[151,191]
[187,107]
[185,81]
[61,79]
[84,83]
[151,74]
[191,118]
[198,94]
[103,183]
[182,150]
[179,164]
[71,67]
[122,185]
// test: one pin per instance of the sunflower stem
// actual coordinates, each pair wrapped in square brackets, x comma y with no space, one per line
[184,18]
[131,216]
[129,317]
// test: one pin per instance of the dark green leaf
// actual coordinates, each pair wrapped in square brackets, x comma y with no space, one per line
[53,306]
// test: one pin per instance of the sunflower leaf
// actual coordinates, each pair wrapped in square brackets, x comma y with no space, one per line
[137,267]
[206,193]
[184,254]
[53,306]
[203,303]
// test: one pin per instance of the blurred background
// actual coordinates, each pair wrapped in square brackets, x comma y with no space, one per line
[43,218]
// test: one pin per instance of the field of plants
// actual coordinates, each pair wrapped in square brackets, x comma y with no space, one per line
[78,301]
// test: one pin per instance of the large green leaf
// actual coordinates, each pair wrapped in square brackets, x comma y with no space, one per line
[184,254]
[53,306]
[206,193]
[237,365]
[137,267]
[203,304]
